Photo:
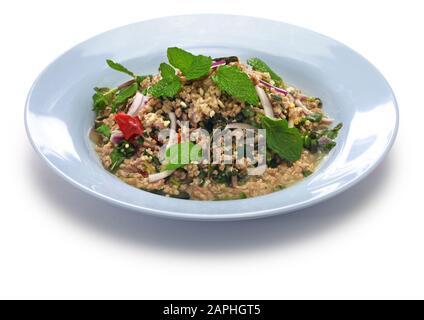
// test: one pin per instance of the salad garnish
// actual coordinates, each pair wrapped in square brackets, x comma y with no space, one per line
[198,95]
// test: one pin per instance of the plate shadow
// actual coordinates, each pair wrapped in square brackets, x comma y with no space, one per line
[235,237]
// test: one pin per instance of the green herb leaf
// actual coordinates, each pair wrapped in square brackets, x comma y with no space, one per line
[117,158]
[99,102]
[307,141]
[165,88]
[102,98]
[286,142]
[104,130]
[276,97]
[103,90]
[178,155]
[169,85]
[236,83]
[119,67]
[321,140]
[192,67]
[124,95]
[307,173]
[126,148]
[123,150]
[242,195]
[332,133]
[316,100]
[259,65]
[315,117]
[166,71]
[328,146]
[139,140]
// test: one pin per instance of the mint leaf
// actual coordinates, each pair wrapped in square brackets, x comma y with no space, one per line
[165,88]
[181,154]
[166,71]
[259,65]
[180,58]
[119,67]
[124,95]
[236,83]
[286,142]
[192,67]
[102,98]
[169,85]
[104,130]
[99,102]
[103,90]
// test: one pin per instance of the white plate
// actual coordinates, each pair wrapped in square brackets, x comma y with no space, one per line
[58,111]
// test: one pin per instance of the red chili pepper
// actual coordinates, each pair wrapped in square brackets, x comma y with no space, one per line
[129,125]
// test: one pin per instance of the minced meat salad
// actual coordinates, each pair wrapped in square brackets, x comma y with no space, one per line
[209,94]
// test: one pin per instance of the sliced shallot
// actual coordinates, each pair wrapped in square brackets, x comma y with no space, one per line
[116,136]
[173,139]
[218,63]
[327,120]
[300,105]
[308,112]
[324,140]
[138,103]
[161,175]
[266,104]
[270,86]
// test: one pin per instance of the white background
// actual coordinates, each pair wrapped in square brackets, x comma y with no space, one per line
[56,242]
